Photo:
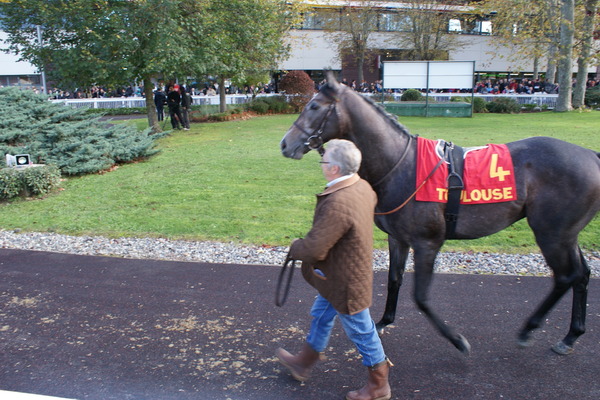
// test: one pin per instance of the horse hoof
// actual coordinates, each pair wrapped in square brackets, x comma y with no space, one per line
[463,345]
[562,349]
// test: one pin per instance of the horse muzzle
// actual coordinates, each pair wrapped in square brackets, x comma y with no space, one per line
[295,151]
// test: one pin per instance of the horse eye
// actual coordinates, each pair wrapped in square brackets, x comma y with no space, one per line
[314,106]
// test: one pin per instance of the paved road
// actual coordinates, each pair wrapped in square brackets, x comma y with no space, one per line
[105,328]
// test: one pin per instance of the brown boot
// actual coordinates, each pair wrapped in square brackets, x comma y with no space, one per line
[377,387]
[299,365]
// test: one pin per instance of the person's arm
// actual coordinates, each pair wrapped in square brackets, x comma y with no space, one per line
[326,231]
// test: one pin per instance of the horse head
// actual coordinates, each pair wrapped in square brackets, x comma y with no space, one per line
[318,122]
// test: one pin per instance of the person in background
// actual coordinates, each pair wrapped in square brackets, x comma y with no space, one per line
[174,104]
[336,257]
[186,108]
[159,102]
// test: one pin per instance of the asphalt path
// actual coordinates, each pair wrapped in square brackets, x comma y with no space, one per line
[83,327]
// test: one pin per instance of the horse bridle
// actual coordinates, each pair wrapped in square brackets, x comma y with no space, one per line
[314,139]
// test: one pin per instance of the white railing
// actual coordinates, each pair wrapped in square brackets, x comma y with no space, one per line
[133,102]
[540,99]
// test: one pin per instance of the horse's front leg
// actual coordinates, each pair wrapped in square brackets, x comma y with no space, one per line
[398,256]
[424,261]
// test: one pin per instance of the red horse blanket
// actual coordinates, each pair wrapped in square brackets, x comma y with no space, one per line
[488,174]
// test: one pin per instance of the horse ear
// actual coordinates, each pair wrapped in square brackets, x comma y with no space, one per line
[330,77]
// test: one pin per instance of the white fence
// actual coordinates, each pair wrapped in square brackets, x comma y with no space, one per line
[133,102]
[542,99]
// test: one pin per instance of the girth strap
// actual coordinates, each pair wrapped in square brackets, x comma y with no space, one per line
[455,157]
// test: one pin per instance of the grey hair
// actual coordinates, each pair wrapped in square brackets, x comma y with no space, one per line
[345,155]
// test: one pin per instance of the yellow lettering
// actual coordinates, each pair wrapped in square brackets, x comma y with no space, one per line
[497,194]
[442,193]
[497,172]
[507,193]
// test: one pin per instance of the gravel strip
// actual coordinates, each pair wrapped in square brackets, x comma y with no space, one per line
[231,253]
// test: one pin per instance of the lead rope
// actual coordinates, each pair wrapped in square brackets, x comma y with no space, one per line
[280,298]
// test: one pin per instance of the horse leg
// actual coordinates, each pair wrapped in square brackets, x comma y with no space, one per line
[578,311]
[424,261]
[570,271]
[398,256]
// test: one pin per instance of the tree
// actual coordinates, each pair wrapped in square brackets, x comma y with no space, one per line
[350,32]
[425,30]
[529,26]
[90,42]
[248,41]
[587,39]
[539,29]
[565,52]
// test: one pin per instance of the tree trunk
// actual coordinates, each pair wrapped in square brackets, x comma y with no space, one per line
[551,67]
[565,51]
[222,97]
[150,108]
[360,64]
[591,6]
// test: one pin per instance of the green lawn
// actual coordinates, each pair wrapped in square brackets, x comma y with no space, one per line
[228,182]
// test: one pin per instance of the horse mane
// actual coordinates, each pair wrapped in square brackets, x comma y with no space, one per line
[393,119]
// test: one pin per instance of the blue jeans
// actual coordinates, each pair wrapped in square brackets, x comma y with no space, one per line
[359,328]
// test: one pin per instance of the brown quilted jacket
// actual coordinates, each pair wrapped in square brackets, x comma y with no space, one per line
[340,245]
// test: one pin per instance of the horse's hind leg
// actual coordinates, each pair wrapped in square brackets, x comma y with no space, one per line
[570,271]
[398,256]
[424,261]
[578,312]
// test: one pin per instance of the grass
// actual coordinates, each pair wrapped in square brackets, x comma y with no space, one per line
[228,182]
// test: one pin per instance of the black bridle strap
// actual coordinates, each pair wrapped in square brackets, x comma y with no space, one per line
[314,140]
[402,157]
[289,265]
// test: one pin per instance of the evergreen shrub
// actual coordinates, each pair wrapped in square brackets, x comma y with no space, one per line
[299,87]
[35,181]
[74,141]
[411,95]
[592,96]
[504,105]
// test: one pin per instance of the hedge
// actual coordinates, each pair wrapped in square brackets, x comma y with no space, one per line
[32,181]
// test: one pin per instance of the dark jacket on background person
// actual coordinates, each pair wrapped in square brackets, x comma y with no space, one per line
[173,99]
[340,245]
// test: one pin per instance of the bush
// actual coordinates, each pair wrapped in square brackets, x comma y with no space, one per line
[259,106]
[36,181]
[504,105]
[411,95]
[277,104]
[10,183]
[299,87]
[479,105]
[592,96]
[73,140]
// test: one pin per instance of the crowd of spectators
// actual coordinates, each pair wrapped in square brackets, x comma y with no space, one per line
[486,86]
[208,89]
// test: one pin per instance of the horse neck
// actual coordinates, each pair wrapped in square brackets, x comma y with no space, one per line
[380,141]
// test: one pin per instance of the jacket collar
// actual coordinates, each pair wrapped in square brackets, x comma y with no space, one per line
[341,185]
